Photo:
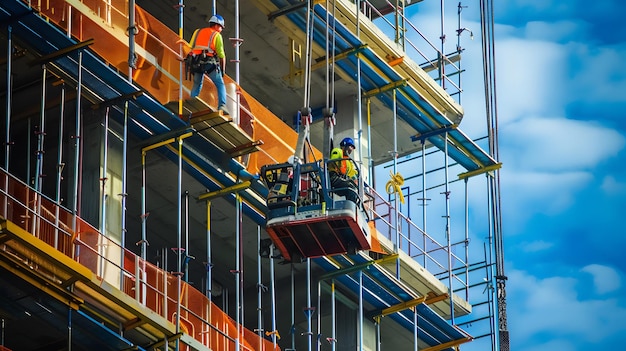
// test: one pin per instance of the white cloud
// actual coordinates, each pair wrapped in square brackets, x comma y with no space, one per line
[605,279]
[612,186]
[529,193]
[597,77]
[559,144]
[537,245]
[550,310]
[555,31]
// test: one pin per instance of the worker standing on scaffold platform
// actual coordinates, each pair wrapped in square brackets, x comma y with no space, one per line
[207,57]
[342,172]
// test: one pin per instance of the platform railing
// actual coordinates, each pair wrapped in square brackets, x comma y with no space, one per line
[160,291]
[435,61]
[419,245]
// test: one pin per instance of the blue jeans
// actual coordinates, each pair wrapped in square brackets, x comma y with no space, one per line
[218,80]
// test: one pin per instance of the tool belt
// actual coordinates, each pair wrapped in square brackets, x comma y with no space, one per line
[199,63]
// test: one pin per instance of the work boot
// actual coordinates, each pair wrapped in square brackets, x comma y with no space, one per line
[223,109]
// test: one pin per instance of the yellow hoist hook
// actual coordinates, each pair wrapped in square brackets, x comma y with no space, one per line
[394,185]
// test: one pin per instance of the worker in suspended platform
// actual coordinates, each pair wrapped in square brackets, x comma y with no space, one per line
[207,57]
[342,172]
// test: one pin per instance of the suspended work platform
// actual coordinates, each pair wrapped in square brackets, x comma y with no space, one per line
[306,218]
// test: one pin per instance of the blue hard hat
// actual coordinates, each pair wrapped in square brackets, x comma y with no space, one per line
[217,19]
[347,142]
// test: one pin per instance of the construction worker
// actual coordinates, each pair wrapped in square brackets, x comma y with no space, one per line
[207,43]
[342,172]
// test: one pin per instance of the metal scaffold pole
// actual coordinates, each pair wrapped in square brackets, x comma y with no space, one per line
[103,192]
[181,37]
[239,270]
[293,306]
[260,287]
[41,132]
[60,166]
[144,214]
[7,135]
[309,325]
[448,229]
[360,100]
[132,31]
[361,307]
[9,96]
[124,194]
[209,263]
[333,317]
[78,144]
[273,301]
[424,199]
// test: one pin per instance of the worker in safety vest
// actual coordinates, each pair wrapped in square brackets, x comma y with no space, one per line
[342,173]
[208,44]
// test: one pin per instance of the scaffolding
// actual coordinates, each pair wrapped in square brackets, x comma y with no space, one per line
[428,282]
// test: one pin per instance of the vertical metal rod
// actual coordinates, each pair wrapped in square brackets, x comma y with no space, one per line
[237,44]
[166,283]
[319,316]
[238,272]
[359,98]
[273,292]
[459,49]
[179,233]
[424,199]
[41,133]
[187,253]
[103,198]
[307,65]
[378,342]
[237,49]
[333,317]
[179,224]
[60,166]
[293,306]
[448,230]
[259,283]
[398,245]
[181,36]
[308,305]
[466,243]
[144,214]
[77,160]
[370,168]
[69,329]
[178,299]
[360,310]
[132,28]
[7,135]
[442,62]
[240,258]
[415,329]
[124,193]
[209,264]
[29,151]
[105,165]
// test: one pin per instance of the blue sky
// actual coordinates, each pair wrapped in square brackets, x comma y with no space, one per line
[561,82]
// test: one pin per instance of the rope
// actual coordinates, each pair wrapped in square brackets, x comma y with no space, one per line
[394,185]
[273,332]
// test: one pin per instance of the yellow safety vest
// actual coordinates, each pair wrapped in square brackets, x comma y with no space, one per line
[344,167]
